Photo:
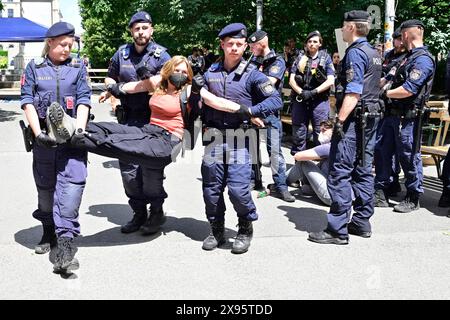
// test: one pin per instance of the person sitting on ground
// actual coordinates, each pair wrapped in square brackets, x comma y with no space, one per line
[314,175]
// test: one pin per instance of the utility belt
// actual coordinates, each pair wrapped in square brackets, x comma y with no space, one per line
[123,114]
[401,112]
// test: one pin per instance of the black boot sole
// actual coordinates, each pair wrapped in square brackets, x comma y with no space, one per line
[56,118]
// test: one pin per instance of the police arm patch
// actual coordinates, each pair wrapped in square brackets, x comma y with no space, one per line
[274,70]
[267,88]
[415,74]
[350,74]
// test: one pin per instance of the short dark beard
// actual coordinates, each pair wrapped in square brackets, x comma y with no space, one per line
[139,44]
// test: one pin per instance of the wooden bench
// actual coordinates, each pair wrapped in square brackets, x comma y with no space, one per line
[438,151]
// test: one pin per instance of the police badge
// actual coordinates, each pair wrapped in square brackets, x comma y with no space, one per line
[350,74]
[274,70]
[267,88]
[415,74]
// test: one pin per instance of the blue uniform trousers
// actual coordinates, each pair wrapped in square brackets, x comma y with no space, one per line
[346,174]
[277,162]
[303,112]
[386,149]
[410,161]
[60,176]
[223,166]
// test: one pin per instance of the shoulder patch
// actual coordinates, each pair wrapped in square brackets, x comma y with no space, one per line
[38,61]
[126,52]
[275,69]
[267,88]
[415,74]
[350,74]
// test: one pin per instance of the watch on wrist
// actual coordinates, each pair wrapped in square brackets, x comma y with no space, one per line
[79,131]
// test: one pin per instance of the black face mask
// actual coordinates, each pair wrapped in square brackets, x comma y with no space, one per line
[178,80]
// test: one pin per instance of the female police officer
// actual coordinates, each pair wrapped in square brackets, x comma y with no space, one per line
[59,170]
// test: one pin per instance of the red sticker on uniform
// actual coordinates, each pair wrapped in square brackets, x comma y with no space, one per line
[22,80]
[69,103]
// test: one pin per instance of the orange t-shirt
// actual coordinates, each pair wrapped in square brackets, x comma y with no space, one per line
[166,113]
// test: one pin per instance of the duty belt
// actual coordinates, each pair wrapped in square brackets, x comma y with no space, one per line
[399,112]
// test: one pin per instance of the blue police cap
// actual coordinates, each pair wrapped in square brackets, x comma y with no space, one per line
[140,16]
[256,36]
[397,33]
[357,16]
[234,30]
[412,23]
[59,29]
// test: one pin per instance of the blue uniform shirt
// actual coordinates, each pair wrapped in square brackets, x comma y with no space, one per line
[153,59]
[355,65]
[253,89]
[40,80]
[419,71]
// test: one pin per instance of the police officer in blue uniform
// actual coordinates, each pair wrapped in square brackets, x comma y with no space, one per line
[410,90]
[227,159]
[359,80]
[59,170]
[312,76]
[387,166]
[133,62]
[273,66]
[444,200]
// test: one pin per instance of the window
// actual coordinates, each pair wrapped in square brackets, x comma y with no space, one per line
[10,13]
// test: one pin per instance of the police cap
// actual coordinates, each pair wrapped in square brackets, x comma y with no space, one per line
[397,33]
[412,23]
[256,36]
[357,16]
[140,16]
[59,29]
[313,34]
[233,30]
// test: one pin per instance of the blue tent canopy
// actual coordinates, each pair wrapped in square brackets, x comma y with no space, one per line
[21,30]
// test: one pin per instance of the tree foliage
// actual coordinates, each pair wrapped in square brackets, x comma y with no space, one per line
[181,24]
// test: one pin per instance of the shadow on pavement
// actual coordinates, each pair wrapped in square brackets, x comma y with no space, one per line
[8,115]
[119,214]
[306,219]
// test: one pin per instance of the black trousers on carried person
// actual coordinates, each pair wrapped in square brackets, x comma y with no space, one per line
[151,146]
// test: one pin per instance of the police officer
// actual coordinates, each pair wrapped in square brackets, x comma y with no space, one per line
[59,170]
[387,166]
[444,200]
[132,62]
[225,162]
[273,66]
[410,90]
[359,77]
[312,76]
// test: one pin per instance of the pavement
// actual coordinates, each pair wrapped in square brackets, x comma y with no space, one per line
[406,258]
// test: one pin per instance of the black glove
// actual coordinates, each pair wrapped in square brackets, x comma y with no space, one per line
[77,139]
[197,84]
[45,141]
[116,89]
[143,72]
[308,94]
[383,97]
[244,112]
[339,129]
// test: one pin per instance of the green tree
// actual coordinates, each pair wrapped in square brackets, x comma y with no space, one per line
[181,24]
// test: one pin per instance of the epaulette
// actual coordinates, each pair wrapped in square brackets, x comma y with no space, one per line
[125,51]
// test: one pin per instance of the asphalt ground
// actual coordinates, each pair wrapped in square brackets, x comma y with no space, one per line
[406,258]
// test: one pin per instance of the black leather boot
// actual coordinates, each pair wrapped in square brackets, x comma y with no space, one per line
[48,240]
[216,237]
[244,237]
[135,223]
[410,203]
[154,222]
[380,199]
[65,260]
[444,200]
